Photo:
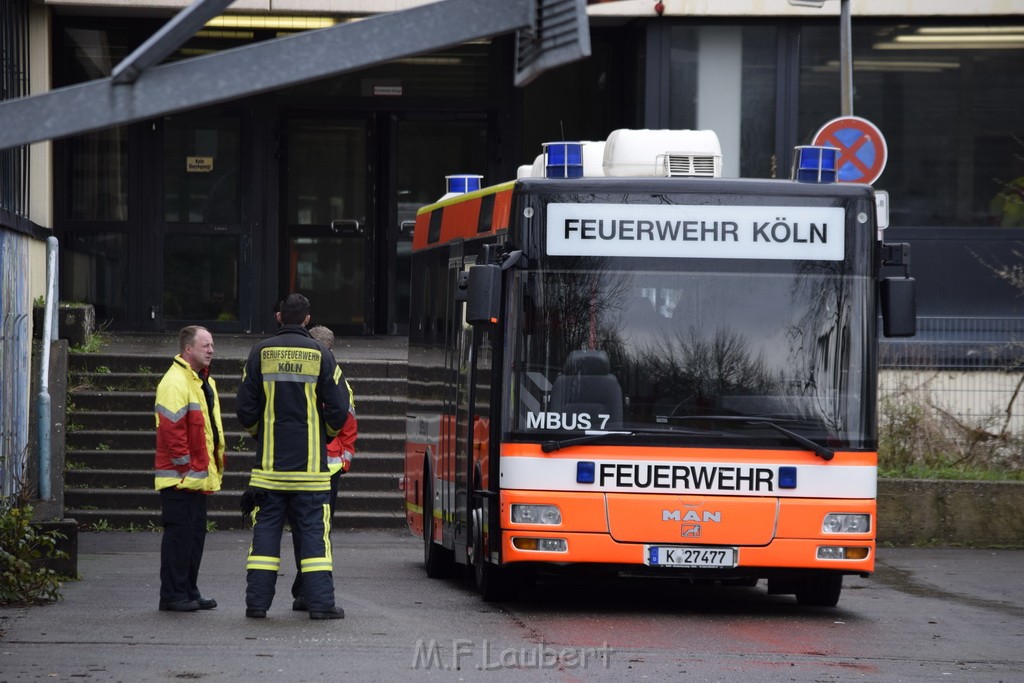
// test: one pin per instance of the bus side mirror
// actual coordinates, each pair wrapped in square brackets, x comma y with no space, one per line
[484,295]
[899,307]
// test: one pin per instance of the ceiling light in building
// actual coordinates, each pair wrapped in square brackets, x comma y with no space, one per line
[272,22]
[925,66]
[430,61]
[957,38]
[226,35]
[969,30]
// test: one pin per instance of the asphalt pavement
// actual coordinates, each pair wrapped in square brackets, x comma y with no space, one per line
[108,627]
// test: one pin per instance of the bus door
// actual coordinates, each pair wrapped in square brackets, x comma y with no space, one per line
[454,419]
[483,499]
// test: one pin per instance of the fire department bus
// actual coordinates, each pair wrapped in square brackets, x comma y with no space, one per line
[618,364]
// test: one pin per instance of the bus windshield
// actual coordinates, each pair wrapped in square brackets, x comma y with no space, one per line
[677,351]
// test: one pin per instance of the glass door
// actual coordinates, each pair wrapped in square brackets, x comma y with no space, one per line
[328,229]
[203,225]
[428,148]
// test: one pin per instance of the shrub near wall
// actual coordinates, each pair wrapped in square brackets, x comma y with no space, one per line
[24,550]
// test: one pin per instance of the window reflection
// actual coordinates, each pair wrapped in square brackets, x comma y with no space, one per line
[326,171]
[94,268]
[664,347]
[99,176]
[201,160]
[949,110]
[201,277]
[700,80]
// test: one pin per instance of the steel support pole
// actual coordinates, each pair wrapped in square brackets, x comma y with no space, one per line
[846,57]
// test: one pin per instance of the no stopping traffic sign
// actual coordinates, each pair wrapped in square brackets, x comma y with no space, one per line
[862,150]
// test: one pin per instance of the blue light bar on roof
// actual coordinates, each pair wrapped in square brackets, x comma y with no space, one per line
[462,183]
[563,159]
[814,164]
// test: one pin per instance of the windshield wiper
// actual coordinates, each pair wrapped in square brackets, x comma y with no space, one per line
[822,452]
[596,435]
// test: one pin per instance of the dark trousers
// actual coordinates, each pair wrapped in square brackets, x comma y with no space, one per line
[183,514]
[297,537]
[309,513]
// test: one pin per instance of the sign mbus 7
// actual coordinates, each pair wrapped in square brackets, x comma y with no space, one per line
[658,374]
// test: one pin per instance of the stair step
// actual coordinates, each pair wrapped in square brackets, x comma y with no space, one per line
[111,435]
[137,420]
[365,462]
[157,364]
[142,401]
[148,499]
[226,388]
[115,479]
[149,520]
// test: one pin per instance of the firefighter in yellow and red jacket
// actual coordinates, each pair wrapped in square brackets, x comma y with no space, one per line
[189,466]
[291,401]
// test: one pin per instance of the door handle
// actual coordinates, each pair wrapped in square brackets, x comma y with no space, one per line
[347,225]
[405,228]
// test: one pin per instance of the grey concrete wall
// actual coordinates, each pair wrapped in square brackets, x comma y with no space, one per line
[950,513]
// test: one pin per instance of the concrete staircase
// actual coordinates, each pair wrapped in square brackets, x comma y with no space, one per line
[111,436]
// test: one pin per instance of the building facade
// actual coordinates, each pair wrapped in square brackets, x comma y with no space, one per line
[211,216]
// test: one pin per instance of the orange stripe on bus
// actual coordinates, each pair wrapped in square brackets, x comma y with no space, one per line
[460,217]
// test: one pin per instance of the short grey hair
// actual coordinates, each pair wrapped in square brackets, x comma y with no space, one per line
[323,335]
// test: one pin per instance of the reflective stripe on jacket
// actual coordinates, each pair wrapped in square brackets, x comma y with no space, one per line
[341,448]
[291,400]
[185,432]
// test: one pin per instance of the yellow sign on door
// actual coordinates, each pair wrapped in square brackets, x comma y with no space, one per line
[198,164]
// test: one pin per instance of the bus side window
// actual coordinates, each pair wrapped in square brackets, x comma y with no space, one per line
[586,385]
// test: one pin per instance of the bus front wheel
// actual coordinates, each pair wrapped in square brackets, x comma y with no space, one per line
[493,583]
[820,591]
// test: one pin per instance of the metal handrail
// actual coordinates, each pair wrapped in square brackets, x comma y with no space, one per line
[49,334]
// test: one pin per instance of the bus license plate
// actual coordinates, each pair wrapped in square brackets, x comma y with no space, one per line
[689,556]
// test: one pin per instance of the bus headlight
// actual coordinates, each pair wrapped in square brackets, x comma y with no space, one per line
[846,523]
[536,514]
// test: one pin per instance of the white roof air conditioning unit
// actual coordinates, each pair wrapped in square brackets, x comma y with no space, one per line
[663,154]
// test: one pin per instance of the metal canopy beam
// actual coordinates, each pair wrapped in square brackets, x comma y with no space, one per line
[263,67]
[173,35]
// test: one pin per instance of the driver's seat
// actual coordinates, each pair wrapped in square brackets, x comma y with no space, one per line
[586,385]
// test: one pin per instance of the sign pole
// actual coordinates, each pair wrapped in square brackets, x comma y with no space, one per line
[846,57]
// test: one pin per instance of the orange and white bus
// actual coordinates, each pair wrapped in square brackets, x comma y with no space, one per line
[638,372]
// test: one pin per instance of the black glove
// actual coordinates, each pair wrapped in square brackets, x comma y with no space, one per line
[250,499]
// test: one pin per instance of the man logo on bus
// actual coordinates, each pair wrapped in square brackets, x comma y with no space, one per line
[690,516]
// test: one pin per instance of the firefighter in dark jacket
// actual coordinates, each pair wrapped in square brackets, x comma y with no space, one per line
[292,401]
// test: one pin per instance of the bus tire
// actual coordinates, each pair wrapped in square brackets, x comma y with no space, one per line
[742,582]
[821,590]
[494,583]
[438,561]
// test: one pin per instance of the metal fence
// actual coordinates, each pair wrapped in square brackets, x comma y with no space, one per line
[14,166]
[15,306]
[966,371]
[15,356]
